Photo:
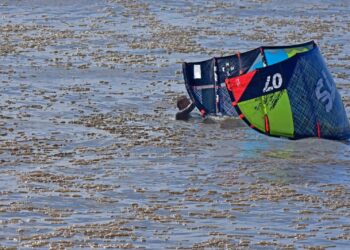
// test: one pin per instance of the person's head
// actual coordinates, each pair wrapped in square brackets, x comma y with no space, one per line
[183,102]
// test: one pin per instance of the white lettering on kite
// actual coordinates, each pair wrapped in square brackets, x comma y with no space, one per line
[325,91]
[275,84]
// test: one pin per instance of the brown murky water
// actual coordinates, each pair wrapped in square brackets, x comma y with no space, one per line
[90,153]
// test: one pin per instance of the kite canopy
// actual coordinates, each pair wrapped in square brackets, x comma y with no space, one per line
[295,97]
[205,80]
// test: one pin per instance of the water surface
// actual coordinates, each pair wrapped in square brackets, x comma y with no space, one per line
[92,157]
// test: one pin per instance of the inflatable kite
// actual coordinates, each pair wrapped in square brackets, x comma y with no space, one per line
[279,91]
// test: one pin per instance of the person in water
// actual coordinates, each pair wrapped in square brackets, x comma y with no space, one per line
[185,106]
